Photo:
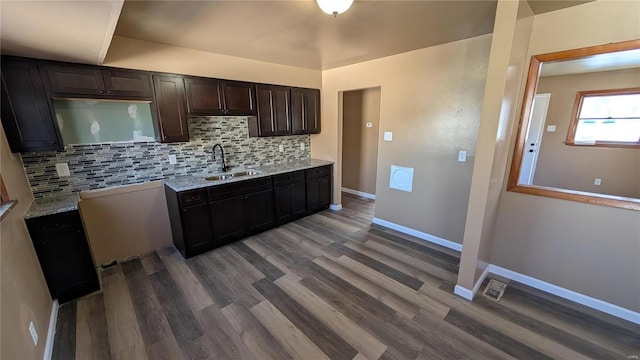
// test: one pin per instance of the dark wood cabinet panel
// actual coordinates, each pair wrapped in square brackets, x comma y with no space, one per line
[239,98]
[305,111]
[258,210]
[170,107]
[196,221]
[64,255]
[273,112]
[318,188]
[75,80]
[228,219]
[127,83]
[26,115]
[204,96]
[290,202]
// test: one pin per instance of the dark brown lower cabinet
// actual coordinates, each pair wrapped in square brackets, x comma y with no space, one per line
[206,218]
[64,255]
[318,188]
[290,196]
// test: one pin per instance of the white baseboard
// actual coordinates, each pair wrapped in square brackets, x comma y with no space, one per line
[585,300]
[419,234]
[463,292]
[51,332]
[359,193]
[335,207]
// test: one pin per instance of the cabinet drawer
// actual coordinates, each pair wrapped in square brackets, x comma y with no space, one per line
[56,224]
[288,178]
[195,197]
[319,172]
[239,188]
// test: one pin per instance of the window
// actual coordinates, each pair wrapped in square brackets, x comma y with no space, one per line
[609,118]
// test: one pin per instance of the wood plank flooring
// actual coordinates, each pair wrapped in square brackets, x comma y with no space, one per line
[329,286]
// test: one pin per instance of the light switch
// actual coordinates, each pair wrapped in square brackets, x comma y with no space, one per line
[281,147]
[462,156]
[172,159]
[551,128]
[597,182]
[369,124]
[388,136]
[62,169]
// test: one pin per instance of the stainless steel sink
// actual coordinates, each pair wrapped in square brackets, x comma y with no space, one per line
[231,175]
[219,177]
[246,173]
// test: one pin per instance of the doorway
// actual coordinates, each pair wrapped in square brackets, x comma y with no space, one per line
[534,138]
[360,134]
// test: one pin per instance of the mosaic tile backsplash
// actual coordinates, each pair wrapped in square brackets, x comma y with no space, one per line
[104,165]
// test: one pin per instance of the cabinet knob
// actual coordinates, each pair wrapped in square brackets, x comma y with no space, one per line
[109,91]
[101,92]
[53,142]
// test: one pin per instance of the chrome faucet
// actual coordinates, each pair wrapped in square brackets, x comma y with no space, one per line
[224,166]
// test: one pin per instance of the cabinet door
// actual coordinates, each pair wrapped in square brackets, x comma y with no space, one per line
[298,200]
[170,105]
[282,203]
[239,98]
[196,222]
[75,80]
[127,83]
[324,194]
[204,96]
[318,193]
[273,110]
[26,115]
[258,210]
[305,111]
[67,265]
[227,219]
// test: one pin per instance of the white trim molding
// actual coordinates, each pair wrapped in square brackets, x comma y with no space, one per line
[419,234]
[585,300]
[463,292]
[359,193]
[51,332]
[335,207]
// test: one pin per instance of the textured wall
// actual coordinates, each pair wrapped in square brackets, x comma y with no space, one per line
[104,165]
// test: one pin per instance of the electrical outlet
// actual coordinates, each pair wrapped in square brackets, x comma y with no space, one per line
[62,169]
[172,159]
[551,128]
[369,125]
[597,182]
[34,333]
[281,147]
[462,156]
[388,136]
[302,146]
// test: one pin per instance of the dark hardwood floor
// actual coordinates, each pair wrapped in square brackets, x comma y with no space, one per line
[330,286]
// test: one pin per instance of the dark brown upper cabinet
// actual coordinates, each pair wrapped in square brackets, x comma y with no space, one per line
[215,97]
[73,80]
[274,116]
[170,108]
[239,98]
[26,115]
[204,96]
[305,111]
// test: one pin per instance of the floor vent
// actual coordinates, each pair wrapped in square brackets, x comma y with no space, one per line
[494,290]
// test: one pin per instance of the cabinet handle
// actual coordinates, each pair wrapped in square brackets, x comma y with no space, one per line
[53,142]
[101,92]
[108,91]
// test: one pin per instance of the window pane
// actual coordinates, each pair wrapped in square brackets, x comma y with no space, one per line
[618,130]
[613,106]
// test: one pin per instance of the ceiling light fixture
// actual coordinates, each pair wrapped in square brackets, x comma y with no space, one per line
[334,7]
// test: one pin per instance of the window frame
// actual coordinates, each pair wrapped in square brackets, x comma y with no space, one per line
[577,106]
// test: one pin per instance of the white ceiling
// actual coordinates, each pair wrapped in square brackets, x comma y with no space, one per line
[292,32]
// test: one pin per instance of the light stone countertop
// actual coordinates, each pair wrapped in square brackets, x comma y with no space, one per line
[52,205]
[69,202]
[197,181]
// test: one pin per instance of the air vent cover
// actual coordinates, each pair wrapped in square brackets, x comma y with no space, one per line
[495,289]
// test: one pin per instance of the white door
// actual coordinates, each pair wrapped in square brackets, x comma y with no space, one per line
[534,137]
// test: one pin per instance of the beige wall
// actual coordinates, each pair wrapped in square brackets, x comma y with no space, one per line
[431,101]
[137,54]
[575,167]
[589,249]
[360,143]
[506,71]
[24,295]
[114,234]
